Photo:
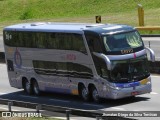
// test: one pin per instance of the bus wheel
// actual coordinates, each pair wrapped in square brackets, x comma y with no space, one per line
[36,88]
[27,87]
[95,95]
[84,93]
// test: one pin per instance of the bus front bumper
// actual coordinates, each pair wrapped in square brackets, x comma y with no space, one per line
[128,92]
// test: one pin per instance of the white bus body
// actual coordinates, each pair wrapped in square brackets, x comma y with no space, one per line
[91,60]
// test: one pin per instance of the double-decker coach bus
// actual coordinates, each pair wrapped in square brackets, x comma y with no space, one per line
[91,60]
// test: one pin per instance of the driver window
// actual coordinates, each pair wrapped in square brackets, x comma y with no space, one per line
[93,41]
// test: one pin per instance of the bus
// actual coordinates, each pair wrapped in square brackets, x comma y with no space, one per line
[93,61]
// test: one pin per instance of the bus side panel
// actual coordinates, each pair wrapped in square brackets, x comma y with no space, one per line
[9,56]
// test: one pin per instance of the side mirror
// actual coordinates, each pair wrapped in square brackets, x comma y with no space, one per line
[105,58]
[152,54]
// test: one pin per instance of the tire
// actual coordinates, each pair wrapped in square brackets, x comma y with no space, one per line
[84,93]
[35,88]
[95,95]
[27,87]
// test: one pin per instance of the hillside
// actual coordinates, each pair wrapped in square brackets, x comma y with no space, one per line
[115,11]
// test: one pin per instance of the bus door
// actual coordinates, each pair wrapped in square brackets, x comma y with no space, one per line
[11,73]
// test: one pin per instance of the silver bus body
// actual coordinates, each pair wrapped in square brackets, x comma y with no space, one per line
[67,66]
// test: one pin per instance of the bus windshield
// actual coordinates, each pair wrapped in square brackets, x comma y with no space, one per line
[130,70]
[122,41]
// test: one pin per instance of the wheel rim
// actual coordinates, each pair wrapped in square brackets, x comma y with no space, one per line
[36,88]
[84,93]
[95,95]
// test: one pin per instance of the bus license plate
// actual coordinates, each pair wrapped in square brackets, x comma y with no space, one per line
[134,93]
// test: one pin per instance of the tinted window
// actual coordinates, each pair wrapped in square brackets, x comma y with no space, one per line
[94,41]
[41,40]
[26,39]
[66,41]
[62,41]
[117,42]
[52,41]
[10,38]
[62,69]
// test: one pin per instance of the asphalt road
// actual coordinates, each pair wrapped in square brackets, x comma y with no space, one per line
[146,102]
[154,44]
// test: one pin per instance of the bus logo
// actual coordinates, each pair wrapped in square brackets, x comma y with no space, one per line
[71,57]
[17,58]
[127,51]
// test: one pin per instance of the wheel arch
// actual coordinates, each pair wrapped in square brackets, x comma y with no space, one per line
[23,81]
[80,85]
[32,80]
[91,86]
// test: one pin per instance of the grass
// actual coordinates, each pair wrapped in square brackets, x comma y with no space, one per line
[115,11]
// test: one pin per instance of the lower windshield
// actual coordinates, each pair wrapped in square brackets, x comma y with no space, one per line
[130,70]
[122,41]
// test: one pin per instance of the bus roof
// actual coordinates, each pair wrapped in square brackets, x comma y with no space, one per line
[70,27]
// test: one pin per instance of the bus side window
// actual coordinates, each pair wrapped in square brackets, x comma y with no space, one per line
[41,40]
[101,67]
[104,72]
[11,38]
[90,44]
[29,40]
[21,42]
[94,42]
[78,43]
[52,41]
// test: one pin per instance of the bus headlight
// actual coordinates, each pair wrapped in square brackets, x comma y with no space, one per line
[145,81]
[113,86]
[149,82]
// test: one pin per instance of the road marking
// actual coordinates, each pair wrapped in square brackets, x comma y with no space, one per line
[28,96]
[3,93]
[59,100]
[92,105]
[62,118]
[118,108]
[4,108]
[136,110]
[153,93]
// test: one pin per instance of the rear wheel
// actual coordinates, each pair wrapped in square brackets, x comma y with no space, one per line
[27,87]
[95,95]
[84,93]
[36,90]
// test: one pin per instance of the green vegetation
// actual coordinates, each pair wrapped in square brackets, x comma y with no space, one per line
[112,11]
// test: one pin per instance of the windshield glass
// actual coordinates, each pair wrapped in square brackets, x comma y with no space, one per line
[130,70]
[122,41]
